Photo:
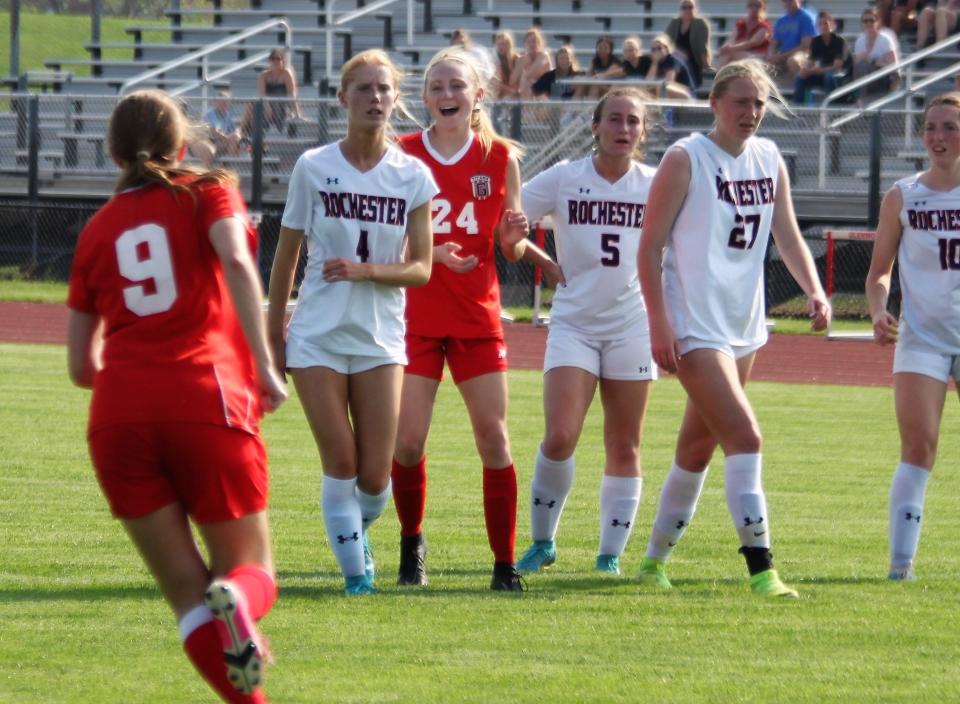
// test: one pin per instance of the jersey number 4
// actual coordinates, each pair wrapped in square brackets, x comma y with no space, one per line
[143,256]
[738,238]
[466,219]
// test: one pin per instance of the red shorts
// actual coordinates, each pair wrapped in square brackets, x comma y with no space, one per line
[467,357]
[216,473]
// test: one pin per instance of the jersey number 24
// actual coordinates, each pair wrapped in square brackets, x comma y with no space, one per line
[466,219]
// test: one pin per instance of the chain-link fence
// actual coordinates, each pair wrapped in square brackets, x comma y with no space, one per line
[55,169]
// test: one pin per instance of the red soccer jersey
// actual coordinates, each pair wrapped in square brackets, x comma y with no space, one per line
[173,347]
[466,211]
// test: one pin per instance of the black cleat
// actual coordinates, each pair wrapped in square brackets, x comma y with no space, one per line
[506,578]
[413,550]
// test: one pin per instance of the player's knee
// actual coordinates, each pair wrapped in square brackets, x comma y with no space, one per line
[409,450]
[747,440]
[622,452]
[493,443]
[559,443]
[920,450]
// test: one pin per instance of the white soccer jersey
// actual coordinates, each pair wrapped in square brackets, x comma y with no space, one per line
[929,262]
[713,259]
[597,230]
[349,214]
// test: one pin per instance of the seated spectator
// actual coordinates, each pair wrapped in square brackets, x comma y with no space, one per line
[792,34]
[223,128]
[634,63]
[751,39]
[277,81]
[604,64]
[669,67]
[901,15]
[873,50]
[505,60]
[567,67]
[533,63]
[484,62]
[690,35]
[937,23]
[828,51]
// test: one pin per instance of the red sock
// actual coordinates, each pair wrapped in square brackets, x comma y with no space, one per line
[206,653]
[258,587]
[500,511]
[410,495]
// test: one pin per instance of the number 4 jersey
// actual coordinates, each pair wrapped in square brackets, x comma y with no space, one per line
[356,215]
[466,211]
[173,348]
[597,228]
[713,259]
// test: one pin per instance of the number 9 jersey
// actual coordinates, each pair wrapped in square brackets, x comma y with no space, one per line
[466,211]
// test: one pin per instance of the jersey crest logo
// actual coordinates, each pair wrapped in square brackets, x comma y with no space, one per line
[480,185]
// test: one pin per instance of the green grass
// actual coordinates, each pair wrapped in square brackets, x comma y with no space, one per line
[15,288]
[82,621]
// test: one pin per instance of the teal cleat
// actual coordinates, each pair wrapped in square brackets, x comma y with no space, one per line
[361,585]
[538,556]
[608,563]
[369,568]
[768,583]
[653,573]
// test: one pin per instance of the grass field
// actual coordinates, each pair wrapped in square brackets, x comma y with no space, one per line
[82,622]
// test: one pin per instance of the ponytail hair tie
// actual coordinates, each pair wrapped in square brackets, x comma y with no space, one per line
[143,155]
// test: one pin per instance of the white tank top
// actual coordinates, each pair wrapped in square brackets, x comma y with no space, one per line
[713,259]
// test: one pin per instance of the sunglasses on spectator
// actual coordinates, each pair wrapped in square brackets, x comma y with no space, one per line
[868,20]
[686,7]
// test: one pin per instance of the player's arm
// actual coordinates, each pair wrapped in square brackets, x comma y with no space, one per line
[667,193]
[84,345]
[229,239]
[413,271]
[889,232]
[796,254]
[282,274]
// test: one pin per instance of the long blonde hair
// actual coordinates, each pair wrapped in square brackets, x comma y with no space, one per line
[480,121]
[756,71]
[147,131]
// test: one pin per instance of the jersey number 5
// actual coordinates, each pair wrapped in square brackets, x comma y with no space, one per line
[466,219]
[738,239]
[143,255]
[610,244]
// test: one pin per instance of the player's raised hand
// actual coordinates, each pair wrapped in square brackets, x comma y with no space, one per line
[513,227]
[448,255]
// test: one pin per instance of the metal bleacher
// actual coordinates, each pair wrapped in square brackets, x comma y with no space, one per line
[75,106]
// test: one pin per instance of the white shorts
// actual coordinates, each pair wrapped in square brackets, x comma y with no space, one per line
[301,355]
[689,344]
[916,356]
[624,359]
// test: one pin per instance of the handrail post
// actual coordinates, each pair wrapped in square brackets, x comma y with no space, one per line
[907,117]
[822,166]
[328,55]
[873,197]
[256,167]
[410,21]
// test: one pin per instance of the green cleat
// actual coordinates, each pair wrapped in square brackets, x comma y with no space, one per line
[608,563]
[361,585]
[767,583]
[653,573]
[538,556]
[369,568]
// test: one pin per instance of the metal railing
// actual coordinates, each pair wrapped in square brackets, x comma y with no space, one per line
[333,24]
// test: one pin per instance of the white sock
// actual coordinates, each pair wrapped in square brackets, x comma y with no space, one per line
[619,499]
[372,505]
[907,493]
[745,499]
[678,502]
[193,619]
[341,516]
[551,484]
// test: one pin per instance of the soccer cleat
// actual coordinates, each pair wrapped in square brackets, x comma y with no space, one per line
[369,568]
[361,585]
[608,563]
[902,573]
[768,583]
[538,556]
[413,550]
[653,573]
[243,650]
[506,578]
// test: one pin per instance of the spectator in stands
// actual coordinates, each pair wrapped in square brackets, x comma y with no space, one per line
[690,35]
[461,37]
[534,62]
[872,51]
[276,81]
[670,68]
[828,51]
[751,39]
[792,36]
[567,67]
[223,128]
[604,64]
[901,15]
[943,20]
[634,63]
[505,61]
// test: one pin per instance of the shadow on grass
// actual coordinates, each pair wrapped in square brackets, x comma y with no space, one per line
[94,592]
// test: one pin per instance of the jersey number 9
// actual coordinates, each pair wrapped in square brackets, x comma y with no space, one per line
[143,256]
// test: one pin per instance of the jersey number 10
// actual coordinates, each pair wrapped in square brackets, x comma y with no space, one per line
[949,254]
